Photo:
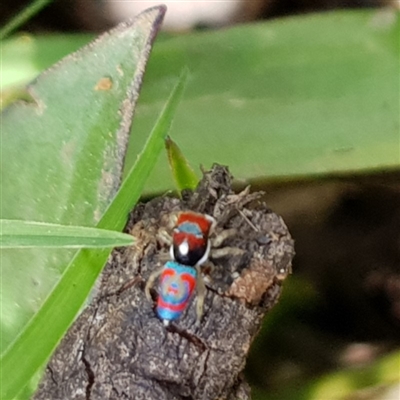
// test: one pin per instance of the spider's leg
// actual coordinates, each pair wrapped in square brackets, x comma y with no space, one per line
[220,238]
[151,280]
[201,294]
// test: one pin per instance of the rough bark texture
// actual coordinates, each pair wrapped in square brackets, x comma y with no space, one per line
[119,349]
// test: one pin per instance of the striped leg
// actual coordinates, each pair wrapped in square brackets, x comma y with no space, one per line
[201,294]
[151,280]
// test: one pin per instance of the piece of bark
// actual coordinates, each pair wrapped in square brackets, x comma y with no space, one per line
[119,349]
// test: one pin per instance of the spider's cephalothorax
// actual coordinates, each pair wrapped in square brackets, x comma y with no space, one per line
[190,238]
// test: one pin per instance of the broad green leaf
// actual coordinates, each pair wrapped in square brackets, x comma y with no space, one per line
[62,155]
[286,99]
[27,354]
[184,176]
[23,234]
[291,98]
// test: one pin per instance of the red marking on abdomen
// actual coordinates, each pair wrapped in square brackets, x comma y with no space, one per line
[173,307]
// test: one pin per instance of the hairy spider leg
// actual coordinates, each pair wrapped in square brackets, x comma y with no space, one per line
[201,294]
[150,282]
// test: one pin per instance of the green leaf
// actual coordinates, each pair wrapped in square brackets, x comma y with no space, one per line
[184,176]
[22,234]
[61,161]
[26,354]
[293,98]
[63,154]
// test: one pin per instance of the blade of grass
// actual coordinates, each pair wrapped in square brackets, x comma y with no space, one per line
[130,184]
[18,234]
[25,15]
[36,343]
[183,173]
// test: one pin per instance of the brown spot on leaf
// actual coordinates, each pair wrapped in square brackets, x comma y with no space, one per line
[104,84]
